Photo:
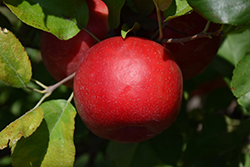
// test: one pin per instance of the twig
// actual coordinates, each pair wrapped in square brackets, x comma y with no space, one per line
[49,89]
[190,38]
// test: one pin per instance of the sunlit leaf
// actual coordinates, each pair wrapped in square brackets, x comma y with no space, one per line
[64,19]
[223,11]
[114,7]
[177,8]
[241,82]
[15,67]
[125,29]
[23,126]
[52,143]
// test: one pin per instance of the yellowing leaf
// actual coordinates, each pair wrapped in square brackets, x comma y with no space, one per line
[23,126]
[15,67]
[52,144]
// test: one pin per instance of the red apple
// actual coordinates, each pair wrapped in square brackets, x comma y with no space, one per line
[61,57]
[193,56]
[128,90]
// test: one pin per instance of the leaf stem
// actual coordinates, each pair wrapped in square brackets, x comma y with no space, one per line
[70,98]
[36,90]
[206,27]
[40,84]
[41,100]
[91,34]
[49,89]
[158,12]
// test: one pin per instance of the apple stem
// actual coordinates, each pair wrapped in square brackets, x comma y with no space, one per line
[49,89]
[91,34]
[159,20]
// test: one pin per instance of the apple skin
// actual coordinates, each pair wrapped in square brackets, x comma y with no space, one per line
[61,57]
[194,56]
[128,90]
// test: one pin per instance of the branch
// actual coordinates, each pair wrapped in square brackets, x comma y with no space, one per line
[190,38]
[49,89]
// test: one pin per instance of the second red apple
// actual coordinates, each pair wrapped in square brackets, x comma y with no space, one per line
[193,56]
[61,57]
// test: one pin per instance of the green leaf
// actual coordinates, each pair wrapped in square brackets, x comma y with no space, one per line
[163,4]
[23,126]
[15,67]
[223,11]
[131,154]
[243,129]
[235,47]
[213,140]
[177,8]
[121,153]
[4,22]
[64,18]
[125,29]
[206,146]
[230,29]
[52,144]
[214,124]
[168,145]
[241,82]
[136,5]
[144,156]
[214,102]
[115,7]
[247,160]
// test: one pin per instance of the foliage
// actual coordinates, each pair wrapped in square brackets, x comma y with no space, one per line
[212,128]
